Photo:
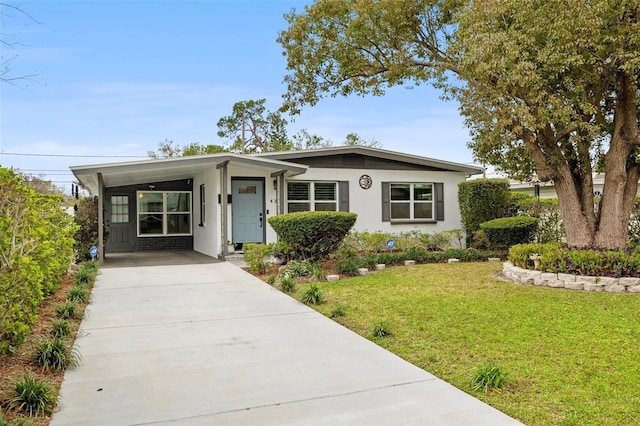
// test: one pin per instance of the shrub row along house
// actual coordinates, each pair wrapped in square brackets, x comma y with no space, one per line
[203,202]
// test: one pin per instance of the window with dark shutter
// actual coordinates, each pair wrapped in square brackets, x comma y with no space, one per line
[412,202]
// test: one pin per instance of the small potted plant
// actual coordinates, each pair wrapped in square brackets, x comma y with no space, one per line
[231,248]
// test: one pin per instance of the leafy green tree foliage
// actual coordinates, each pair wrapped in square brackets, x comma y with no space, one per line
[36,248]
[482,200]
[304,140]
[167,149]
[353,139]
[251,128]
[546,87]
[312,235]
[197,149]
[546,210]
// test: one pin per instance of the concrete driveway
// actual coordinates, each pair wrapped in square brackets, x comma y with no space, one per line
[209,344]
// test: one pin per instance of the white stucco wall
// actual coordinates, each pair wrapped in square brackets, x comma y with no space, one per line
[206,238]
[367,204]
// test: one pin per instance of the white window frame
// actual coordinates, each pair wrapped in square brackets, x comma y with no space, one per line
[312,201]
[412,202]
[120,212]
[165,214]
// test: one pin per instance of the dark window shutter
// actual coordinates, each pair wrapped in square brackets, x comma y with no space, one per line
[343,206]
[386,205]
[281,194]
[439,196]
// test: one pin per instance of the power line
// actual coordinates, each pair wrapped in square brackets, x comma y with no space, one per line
[44,170]
[56,174]
[74,156]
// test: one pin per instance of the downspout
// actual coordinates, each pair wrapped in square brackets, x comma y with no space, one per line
[100,220]
[223,205]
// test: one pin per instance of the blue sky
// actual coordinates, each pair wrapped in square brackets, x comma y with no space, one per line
[119,77]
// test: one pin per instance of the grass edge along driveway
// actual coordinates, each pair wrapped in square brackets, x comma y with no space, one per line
[571,357]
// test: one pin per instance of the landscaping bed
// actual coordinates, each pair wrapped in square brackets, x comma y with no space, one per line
[21,364]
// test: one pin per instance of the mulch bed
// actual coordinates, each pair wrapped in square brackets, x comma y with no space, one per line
[18,365]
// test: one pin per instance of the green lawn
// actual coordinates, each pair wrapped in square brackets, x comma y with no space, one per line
[572,358]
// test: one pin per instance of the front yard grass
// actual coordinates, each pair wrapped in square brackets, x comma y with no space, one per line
[571,358]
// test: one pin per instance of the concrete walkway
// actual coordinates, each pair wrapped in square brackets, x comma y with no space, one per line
[209,344]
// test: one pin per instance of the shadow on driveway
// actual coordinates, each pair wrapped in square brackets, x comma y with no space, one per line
[156,258]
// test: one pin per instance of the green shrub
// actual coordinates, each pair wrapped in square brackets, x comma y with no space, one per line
[555,257]
[86,274]
[312,235]
[60,328]
[482,200]
[348,266]
[271,279]
[312,295]
[68,309]
[487,377]
[36,248]
[54,354]
[78,294]
[32,396]
[508,231]
[297,268]
[287,284]
[547,211]
[86,235]
[338,311]
[381,329]
[634,223]
[254,255]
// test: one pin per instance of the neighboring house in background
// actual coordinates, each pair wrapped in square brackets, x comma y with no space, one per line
[176,203]
[547,189]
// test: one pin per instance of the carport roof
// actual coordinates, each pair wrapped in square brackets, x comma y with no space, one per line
[166,169]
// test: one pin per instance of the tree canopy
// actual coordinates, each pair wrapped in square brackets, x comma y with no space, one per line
[549,87]
[252,128]
[167,149]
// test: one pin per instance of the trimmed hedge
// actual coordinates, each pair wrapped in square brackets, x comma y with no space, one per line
[312,235]
[36,247]
[508,231]
[596,262]
[482,200]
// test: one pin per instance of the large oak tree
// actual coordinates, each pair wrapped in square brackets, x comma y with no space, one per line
[546,87]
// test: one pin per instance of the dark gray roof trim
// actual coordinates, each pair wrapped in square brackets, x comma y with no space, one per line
[373,152]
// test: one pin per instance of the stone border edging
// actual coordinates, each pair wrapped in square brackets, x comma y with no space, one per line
[570,281]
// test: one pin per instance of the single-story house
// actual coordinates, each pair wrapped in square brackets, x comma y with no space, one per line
[548,190]
[203,202]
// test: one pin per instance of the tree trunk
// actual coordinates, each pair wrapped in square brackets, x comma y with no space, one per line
[579,219]
[621,173]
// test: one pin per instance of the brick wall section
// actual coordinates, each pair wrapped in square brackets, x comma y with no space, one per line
[570,281]
[165,243]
